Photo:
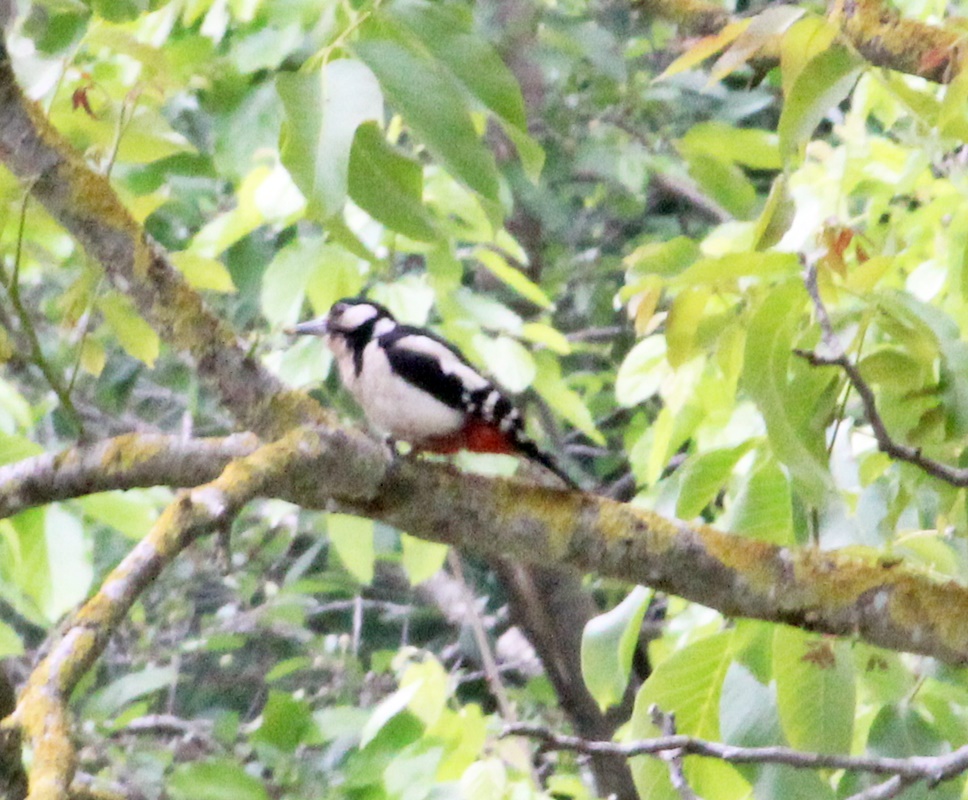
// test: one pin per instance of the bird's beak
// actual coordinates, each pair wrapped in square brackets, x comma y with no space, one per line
[313,327]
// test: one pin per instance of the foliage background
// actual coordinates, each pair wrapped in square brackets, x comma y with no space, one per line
[617,236]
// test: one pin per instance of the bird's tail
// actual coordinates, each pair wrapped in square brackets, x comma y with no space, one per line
[530,450]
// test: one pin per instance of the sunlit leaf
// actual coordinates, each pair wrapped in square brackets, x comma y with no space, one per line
[509,361]
[388,185]
[135,335]
[682,324]
[132,513]
[704,48]
[432,106]
[512,277]
[769,348]
[824,81]
[761,30]
[388,708]
[420,559]
[116,695]
[607,646]
[689,684]
[751,147]
[352,538]
[222,779]
[704,476]
[286,722]
[763,508]
[323,111]
[815,690]
[202,272]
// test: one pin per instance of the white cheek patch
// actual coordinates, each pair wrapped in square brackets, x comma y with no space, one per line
[354,316]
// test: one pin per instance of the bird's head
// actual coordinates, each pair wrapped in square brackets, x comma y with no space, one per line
[349,318]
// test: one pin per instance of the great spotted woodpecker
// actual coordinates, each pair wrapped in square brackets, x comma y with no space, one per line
[418,388]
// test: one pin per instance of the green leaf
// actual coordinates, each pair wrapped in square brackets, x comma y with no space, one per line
[777,215]
[763,508]
[689,684]
[388,185]
[219,779]
[608,645]
[110,700]
[826,80]
[562,399]
[952,119]
[882,675]
[10,643]
[352,538]
[421,559]
[682,324]
[509,361]
[323,112]
[803,41]
[641,374]
[133,513]
[724,182]
[704,476]
[57,559]
[445,29]
[751,147]
[286,722]
[730,267]
[203,272]
[484,780]
[661,258]
[13,447]
[769,347]
[431,105]
[815,690]
[762,30]
[512,277]
[308,267]
[902,732]
[387,709]
[135,335]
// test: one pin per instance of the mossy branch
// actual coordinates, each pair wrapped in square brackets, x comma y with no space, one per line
[872,27]
[84,202]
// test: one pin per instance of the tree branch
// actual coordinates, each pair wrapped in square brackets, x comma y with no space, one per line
[883,602]
[930,769]
[84,202]
[666,723]
[125,462]
[872,27]
[838,358]
[42,710]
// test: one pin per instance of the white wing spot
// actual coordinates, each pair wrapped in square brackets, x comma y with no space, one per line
[383,326]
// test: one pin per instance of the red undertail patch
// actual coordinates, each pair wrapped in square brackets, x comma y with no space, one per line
[477,436]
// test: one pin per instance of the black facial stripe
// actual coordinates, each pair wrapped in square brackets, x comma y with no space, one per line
[357,340]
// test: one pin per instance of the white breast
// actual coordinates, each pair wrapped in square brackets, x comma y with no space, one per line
[393,405]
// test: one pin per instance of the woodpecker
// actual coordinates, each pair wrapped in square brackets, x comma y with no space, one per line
[418,388]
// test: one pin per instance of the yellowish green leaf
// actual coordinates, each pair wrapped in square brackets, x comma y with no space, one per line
[704,48]
[203,272]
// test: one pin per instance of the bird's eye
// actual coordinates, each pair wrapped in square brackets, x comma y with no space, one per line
[337,309]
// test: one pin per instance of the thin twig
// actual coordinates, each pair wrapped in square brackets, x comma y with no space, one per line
[12,285]
[885,790]
[931,769]
[666,723]
[838,358]
[488,661]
